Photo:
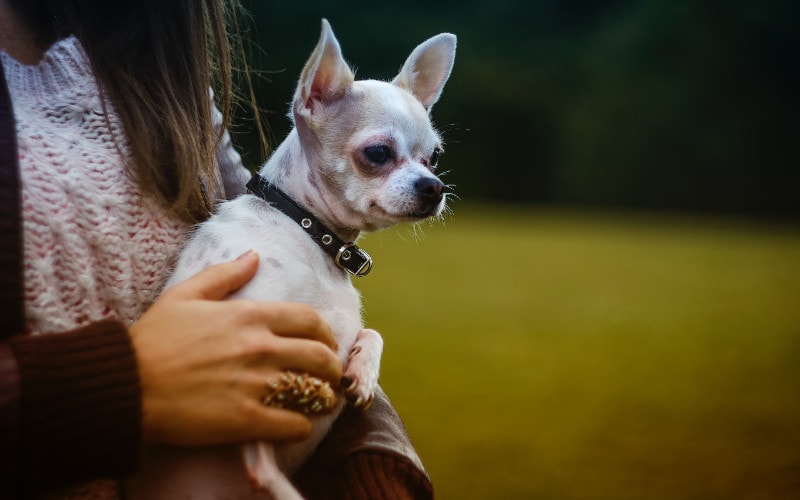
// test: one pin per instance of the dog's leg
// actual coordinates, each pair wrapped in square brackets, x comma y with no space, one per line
[265,476]
[361,375]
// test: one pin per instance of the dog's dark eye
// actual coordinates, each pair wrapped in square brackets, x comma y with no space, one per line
[379,154]
[435,157]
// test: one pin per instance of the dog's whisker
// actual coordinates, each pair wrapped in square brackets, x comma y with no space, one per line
[439,219]
[450,127]
[448,211]
[417,232]
[401,235]
[449,196]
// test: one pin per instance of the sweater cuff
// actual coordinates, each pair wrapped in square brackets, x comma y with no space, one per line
[81,405]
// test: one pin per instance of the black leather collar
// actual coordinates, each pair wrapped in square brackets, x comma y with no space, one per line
[348,256]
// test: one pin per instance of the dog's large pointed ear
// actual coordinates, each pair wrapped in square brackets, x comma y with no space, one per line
[325,76]
[427,68]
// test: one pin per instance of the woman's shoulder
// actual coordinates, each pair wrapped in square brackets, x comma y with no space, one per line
[63,67]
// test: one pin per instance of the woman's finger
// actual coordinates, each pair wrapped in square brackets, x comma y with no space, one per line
[305,356]
[218,281]
[275,424]
[290,319]
[244,420]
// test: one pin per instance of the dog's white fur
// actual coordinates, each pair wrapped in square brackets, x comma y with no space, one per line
[324,165]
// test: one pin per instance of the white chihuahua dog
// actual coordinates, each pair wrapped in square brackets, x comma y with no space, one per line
[361,157]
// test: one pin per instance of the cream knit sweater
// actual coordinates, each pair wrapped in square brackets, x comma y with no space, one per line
[93,247]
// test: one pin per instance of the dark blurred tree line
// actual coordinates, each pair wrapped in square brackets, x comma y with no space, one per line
[652,104]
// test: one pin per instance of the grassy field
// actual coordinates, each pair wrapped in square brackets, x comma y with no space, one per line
[559,355]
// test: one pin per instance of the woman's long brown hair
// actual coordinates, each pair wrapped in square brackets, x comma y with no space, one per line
[156,60]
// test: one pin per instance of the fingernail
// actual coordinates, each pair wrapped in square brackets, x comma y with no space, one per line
[246,255]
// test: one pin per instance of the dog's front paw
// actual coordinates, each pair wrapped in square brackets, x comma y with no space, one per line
[360,380]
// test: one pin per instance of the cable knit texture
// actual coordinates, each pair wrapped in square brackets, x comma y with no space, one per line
[93,247]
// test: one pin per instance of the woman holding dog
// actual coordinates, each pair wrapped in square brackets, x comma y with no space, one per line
[110,150]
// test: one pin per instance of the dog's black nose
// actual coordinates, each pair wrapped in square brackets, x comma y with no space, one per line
[429,189]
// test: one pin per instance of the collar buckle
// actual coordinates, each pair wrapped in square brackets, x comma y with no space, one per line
[353,260]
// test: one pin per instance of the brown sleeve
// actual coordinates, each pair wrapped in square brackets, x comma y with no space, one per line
[79,406]
[366,455]
[9,419]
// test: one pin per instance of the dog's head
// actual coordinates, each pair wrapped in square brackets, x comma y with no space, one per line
[371,143]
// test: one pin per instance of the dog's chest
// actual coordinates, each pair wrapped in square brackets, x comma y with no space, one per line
[292,267]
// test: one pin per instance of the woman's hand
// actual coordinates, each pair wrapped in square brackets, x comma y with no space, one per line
[204,362]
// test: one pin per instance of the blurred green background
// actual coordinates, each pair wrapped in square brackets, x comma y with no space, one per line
[613,308]
[558,354]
